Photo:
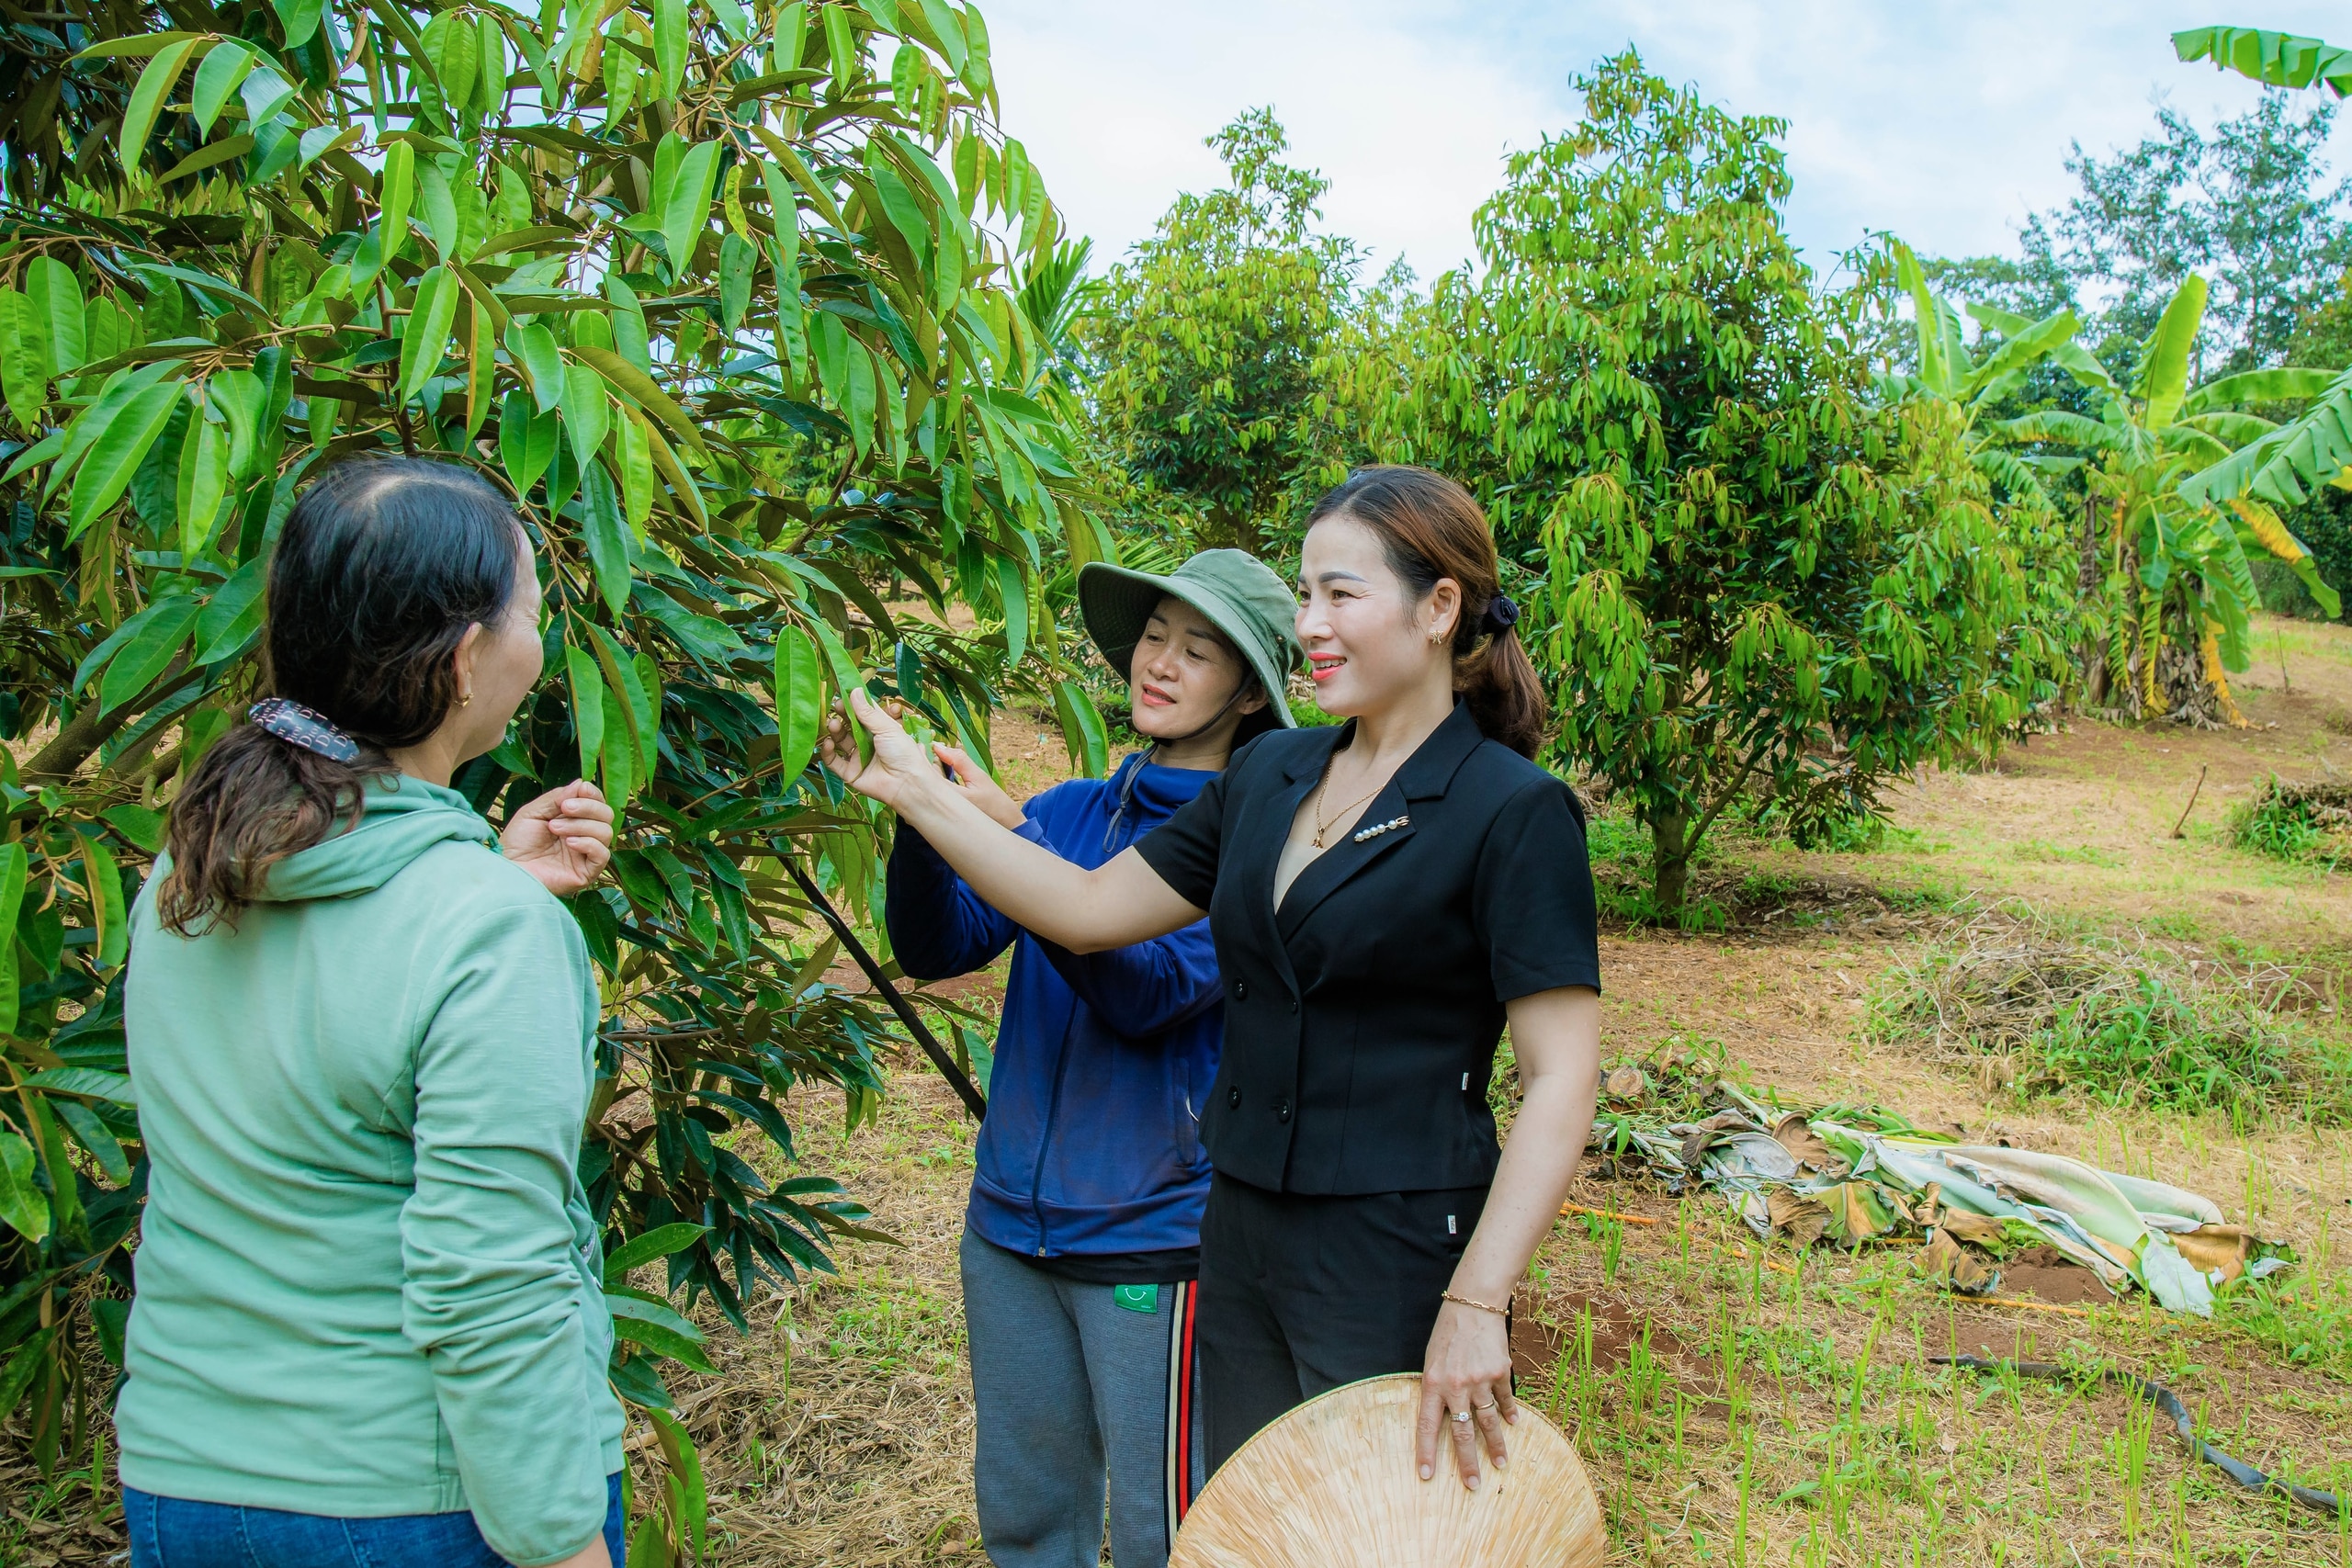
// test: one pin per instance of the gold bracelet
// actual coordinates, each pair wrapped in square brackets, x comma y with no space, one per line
[1465,1301]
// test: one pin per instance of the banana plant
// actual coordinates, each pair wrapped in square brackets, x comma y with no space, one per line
[1974,383]
[2273,59]
[2173,555]
[2286,464]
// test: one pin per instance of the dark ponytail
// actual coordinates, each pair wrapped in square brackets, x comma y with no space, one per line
[383,565]
[1432,528]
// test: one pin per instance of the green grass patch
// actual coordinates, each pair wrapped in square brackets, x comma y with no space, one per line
[2043,1011]
[2305,824]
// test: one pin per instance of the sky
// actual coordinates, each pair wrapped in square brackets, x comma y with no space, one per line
[1945,122]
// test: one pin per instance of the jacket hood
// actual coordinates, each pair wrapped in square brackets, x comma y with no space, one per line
[399,818]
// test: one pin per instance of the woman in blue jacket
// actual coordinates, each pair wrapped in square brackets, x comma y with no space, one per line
[1081,1242]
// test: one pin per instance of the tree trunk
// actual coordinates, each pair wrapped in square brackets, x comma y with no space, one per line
[2086,583]
[1671,851]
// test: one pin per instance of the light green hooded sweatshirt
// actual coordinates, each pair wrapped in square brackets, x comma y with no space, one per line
[369,1280]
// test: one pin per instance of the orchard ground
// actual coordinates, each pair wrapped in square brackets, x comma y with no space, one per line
[1734,1403]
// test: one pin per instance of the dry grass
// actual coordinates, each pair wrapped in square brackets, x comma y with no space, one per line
[842,1432]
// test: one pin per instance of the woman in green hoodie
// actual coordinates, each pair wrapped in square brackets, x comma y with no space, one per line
[369,1328]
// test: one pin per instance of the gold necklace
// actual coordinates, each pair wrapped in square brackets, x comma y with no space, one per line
[1322,826]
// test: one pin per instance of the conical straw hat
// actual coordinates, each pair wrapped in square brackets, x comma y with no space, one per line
[1334,1484]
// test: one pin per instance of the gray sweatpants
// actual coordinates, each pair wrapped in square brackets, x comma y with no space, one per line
[1082,1390]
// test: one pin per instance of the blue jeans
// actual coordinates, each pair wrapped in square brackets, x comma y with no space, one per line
[168,1532]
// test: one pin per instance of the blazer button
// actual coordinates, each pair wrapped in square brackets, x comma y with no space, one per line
[1233,1097]
[1293,1007]
[1241,990]
[1281,1110]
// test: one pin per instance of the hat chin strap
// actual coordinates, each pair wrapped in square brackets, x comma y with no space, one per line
[1215,718]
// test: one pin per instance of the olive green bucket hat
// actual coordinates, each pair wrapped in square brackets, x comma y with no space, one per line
[1238,593]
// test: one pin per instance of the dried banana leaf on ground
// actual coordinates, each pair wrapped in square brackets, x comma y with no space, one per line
[1856,1173]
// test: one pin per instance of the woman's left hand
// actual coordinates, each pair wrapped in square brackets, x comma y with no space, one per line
[564,838]
[1467,1372]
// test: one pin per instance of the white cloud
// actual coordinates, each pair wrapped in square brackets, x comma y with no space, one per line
[1947,122]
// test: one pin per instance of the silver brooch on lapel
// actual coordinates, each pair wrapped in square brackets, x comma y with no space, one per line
[1373,832]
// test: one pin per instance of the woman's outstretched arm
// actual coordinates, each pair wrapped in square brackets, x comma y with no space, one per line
[1122,902]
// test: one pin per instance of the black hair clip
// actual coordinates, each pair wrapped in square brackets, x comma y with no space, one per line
[305,727]
[1500,617]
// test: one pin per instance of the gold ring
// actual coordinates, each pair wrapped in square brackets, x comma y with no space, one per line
[1489,1405]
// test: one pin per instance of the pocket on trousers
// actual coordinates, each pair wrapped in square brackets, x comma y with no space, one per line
[417,1540]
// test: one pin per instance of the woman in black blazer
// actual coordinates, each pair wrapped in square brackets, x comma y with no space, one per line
[1384,897]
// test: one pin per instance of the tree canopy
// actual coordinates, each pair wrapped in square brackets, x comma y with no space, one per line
[1209,339]
[1761,583]
[722,297]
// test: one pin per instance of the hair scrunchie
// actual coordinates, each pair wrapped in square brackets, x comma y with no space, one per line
[305,727]
[1500,617]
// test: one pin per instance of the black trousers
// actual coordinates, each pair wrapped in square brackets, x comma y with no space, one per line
[1301,1295]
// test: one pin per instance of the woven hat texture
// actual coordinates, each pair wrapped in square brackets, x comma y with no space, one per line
[1334,1484]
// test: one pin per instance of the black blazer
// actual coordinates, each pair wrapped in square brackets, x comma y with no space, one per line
[1361,1019]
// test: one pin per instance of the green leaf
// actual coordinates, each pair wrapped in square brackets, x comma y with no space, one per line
[103,880]
[534,348]
[608,534]
[686,206]
[56,298]
[233,614]
[121,446]
[222,71]
[670,45]
[585,416]
[89,1082]
[25,1365]
[619,756]
[396,185]
[1013,591]
[24,358]
[643,1306]
[841,46]
[299,19]
[2165,373]
[2273,59]
[147,100]
[799,692]
[736,261]
[451,44]
[163,628]
[661,1341]
[140,824]
[636,384]
[587,706]
[426,342]
[1082,729]
[437,204]
[21,1204]
[636,1381]
[526,439]
[91,1134]
[660,1242]
[204,482]
[2287,384]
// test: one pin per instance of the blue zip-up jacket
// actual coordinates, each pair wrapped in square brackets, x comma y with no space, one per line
[1091,1143]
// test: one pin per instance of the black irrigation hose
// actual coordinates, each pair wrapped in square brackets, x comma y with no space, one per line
[2169,1403]
[965,1091]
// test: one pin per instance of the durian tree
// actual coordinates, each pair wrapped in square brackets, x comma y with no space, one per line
[722,295]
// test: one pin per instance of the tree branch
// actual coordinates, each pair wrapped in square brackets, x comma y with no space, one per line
[88,730]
